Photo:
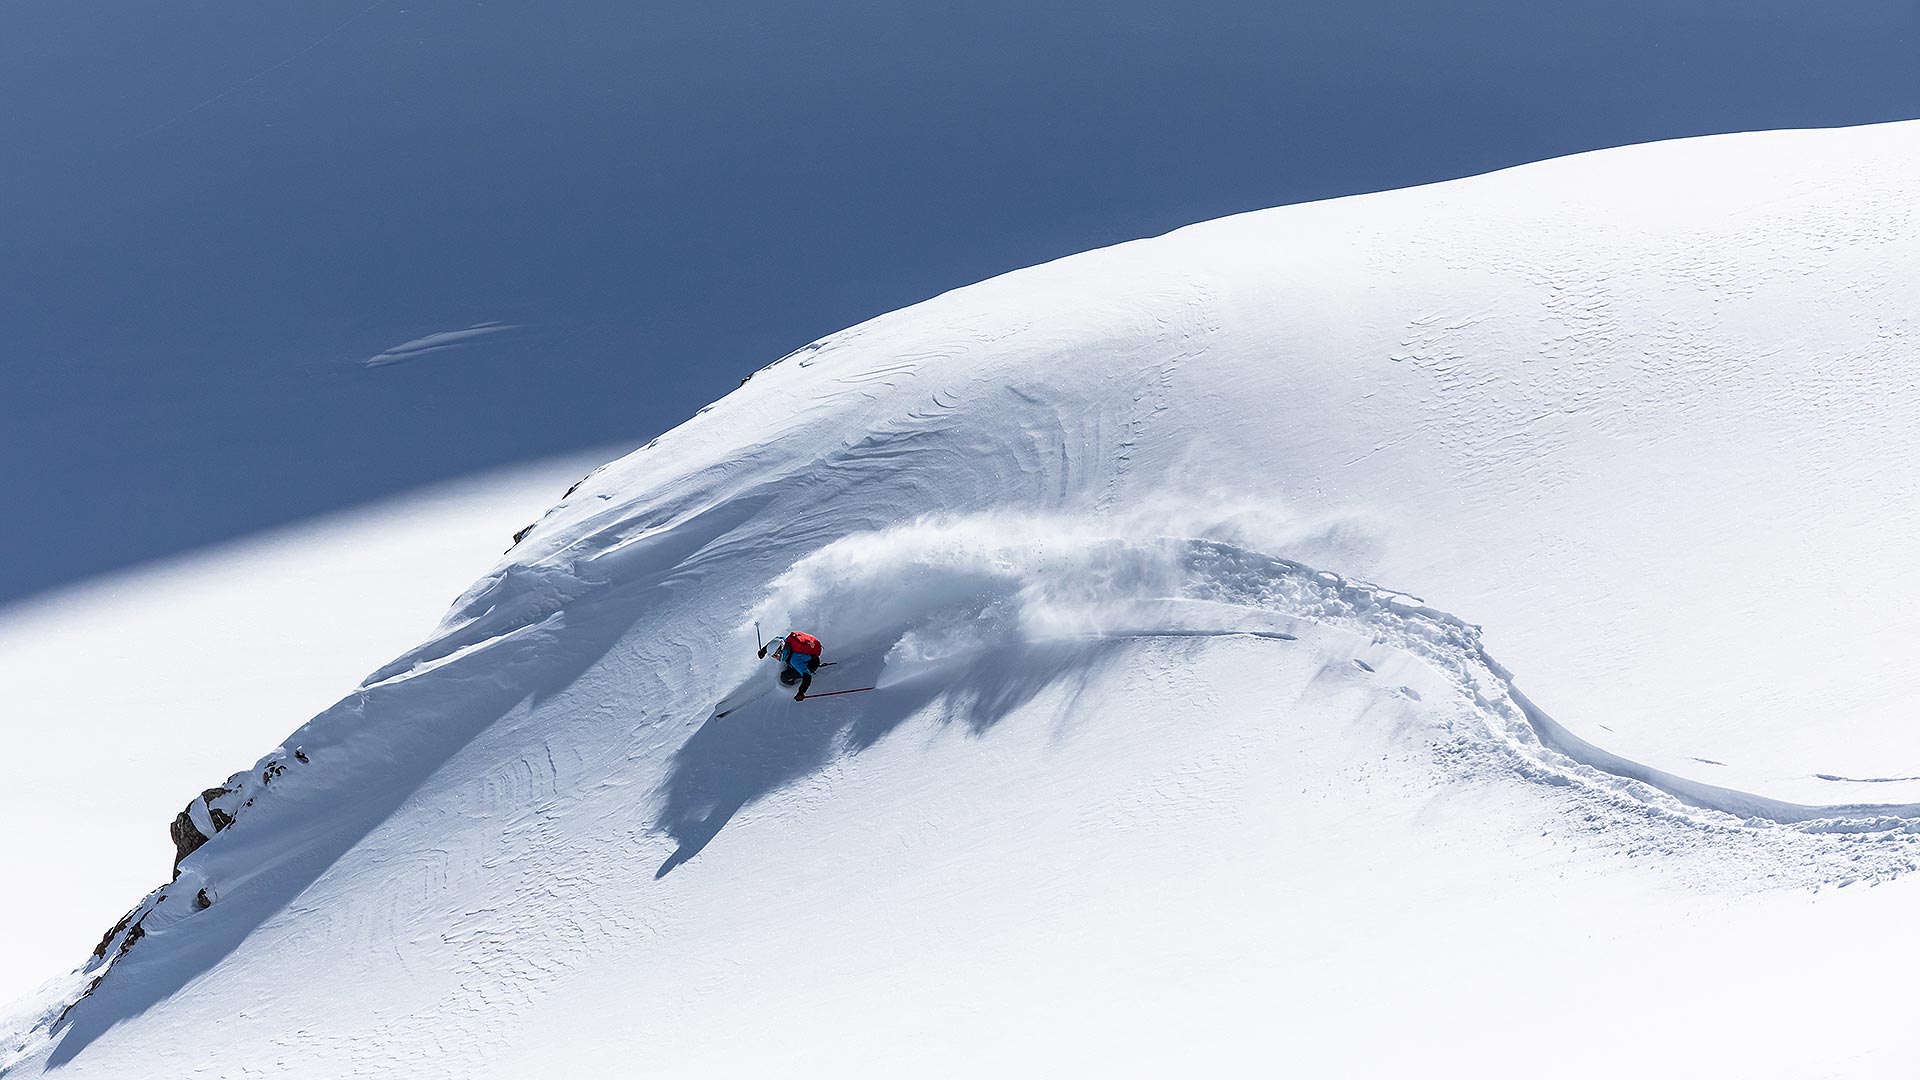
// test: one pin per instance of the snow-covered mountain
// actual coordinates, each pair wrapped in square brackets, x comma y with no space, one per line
[1156,779]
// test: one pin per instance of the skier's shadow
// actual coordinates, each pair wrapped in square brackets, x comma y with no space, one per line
[763,747]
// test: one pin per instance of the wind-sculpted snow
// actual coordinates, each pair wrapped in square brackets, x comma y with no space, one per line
[1147,756]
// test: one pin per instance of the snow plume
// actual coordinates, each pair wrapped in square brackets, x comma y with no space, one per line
[934,590]
[941,589]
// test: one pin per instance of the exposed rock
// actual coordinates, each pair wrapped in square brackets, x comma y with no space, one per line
[139,931]
[186,840]
[84,994]
[188,834]
[100,950]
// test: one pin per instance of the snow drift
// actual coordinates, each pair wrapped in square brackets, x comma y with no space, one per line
[1155,779]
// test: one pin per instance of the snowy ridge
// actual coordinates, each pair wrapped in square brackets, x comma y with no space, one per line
[1100,532]
[1000,587]
[1057,589]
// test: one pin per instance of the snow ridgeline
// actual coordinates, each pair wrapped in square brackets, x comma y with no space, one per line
[932,598]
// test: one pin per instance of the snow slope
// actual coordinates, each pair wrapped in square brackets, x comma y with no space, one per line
[149,682]
[1155,779]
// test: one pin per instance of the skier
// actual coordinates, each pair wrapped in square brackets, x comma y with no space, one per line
[800,653]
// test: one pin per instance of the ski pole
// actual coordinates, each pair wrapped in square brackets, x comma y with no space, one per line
[756,634]
[831,693]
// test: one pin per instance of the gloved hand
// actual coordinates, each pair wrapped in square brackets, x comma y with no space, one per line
[801,696]
[763,652]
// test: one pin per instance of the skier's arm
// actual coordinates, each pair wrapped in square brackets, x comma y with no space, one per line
[806,680]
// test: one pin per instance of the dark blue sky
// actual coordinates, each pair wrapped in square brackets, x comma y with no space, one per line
[212,210]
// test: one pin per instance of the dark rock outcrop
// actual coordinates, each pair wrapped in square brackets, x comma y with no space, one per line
[100,950]
[139,931]
[190,830]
